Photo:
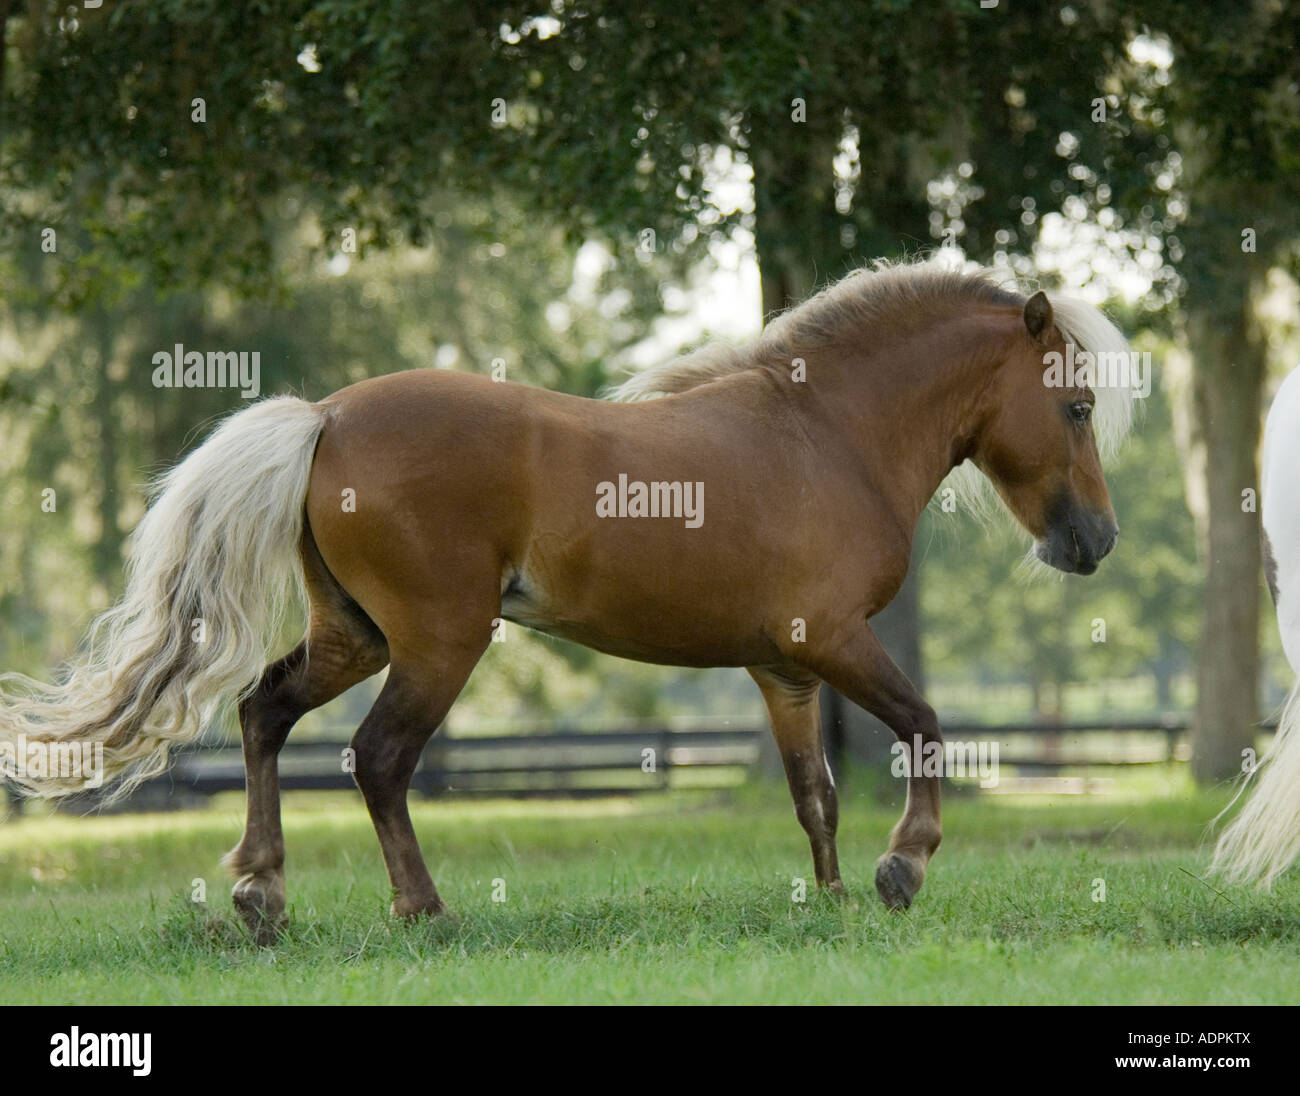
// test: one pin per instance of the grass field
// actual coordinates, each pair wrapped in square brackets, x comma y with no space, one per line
[670,900]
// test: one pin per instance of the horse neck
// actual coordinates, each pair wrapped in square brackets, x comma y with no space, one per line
[911,408]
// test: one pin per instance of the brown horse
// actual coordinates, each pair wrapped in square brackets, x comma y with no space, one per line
[422,507]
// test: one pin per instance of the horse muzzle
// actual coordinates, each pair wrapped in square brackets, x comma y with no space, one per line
[1078,541]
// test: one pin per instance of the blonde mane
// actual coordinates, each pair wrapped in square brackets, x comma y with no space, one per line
[889,298]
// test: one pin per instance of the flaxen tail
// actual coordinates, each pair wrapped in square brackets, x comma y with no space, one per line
[1264,839]
[211,567]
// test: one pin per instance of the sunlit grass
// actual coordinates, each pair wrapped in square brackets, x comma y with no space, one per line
[682,898]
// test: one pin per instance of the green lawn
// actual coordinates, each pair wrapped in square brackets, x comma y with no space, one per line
[668,900]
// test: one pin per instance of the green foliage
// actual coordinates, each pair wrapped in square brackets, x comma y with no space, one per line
[470,147]
[599,116]
[1232,109]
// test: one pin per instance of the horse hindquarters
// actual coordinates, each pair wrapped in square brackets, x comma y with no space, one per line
[398,505]
[1264,839]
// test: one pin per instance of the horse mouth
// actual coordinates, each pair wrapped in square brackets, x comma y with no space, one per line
[1066,551]
[1047,551]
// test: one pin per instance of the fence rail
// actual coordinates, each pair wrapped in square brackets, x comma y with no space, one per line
[628,762]
[569,764]
[645,760]
[1170,730]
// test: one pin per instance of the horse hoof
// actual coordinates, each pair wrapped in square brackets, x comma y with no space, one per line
[413,910]
[261,905]
[897,880]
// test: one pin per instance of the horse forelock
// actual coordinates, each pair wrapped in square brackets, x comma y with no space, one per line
[1088,329]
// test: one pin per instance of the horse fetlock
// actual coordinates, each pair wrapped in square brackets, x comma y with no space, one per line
[919,837]
[411,908]
[254,858]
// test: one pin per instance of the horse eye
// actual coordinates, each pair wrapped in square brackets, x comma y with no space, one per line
[1080,412]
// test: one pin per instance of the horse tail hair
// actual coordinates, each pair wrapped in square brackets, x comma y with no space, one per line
[1264,838]
[210,571]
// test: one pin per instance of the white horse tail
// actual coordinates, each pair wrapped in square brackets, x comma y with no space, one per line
[211,565]
[1264,838]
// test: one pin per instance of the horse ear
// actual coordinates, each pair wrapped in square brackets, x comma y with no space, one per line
[1038,317]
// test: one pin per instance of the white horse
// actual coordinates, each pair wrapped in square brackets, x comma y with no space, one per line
[1264,838]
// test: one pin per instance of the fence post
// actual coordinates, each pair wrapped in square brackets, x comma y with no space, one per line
[1174,728]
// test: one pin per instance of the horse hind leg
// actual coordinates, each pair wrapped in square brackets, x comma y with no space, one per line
[415,699]
[342,647]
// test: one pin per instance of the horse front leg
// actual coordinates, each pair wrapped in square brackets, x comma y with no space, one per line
[860,668]
[790,694]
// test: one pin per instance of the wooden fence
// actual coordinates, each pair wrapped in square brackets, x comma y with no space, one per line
[569,764]
[630,762]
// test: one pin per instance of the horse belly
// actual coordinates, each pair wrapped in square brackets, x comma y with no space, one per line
[644,609]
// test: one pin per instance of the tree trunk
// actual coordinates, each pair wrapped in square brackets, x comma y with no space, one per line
[4,46]
[1227,383]
[799,249]
[107,553]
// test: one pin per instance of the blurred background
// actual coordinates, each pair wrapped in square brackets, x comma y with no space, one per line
[565,191]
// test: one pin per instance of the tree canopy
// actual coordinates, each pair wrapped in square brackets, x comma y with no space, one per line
[230,155]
